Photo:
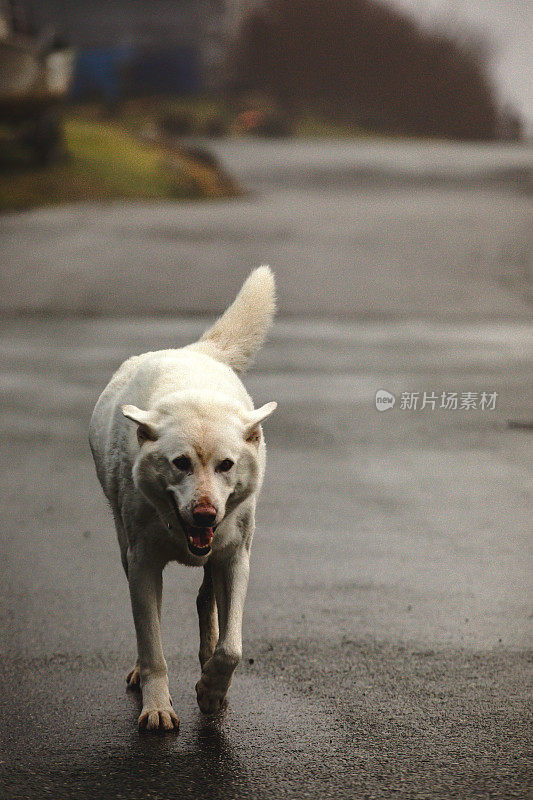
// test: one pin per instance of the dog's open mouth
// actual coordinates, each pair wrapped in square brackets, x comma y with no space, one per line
[198,539]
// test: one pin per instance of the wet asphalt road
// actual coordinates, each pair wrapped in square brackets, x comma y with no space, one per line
[373,230]
[387,628]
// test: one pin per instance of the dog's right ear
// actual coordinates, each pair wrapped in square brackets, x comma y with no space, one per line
[145,424]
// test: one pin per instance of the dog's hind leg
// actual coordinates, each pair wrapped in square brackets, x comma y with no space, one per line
[133,678]
[207,617]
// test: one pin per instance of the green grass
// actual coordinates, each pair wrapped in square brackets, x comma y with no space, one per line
[124,166]
[113,159]
[198,111]
[310,126]
[105,161]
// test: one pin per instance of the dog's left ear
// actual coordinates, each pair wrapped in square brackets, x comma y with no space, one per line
[252,432]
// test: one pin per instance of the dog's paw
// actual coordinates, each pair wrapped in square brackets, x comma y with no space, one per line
[210,700]
[159,719]
[133,678]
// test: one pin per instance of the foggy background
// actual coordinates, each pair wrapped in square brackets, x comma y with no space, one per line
[503,27]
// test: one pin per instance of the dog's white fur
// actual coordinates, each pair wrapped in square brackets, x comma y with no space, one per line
[187,402]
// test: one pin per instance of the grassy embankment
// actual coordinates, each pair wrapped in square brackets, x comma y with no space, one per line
[115,159]
[202,113]
[105,161]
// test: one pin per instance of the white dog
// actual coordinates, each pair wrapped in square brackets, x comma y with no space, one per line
[182,482]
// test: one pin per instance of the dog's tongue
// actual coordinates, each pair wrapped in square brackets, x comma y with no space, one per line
[202,537]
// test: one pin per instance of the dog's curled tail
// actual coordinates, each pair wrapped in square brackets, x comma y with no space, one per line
[238,334]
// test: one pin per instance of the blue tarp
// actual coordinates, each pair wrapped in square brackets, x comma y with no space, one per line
[100,72]
[124,71]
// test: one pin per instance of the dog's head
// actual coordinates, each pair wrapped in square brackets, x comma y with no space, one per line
[197,460]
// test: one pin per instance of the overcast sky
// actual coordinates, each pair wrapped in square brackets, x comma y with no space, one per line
[507,26]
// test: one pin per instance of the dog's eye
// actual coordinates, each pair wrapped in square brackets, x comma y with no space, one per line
[183,463]
[225,465]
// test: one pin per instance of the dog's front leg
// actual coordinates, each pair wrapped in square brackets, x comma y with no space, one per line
[146,584]
[230,581]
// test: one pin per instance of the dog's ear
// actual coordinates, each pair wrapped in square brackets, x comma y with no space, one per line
[252,432]
[146,431]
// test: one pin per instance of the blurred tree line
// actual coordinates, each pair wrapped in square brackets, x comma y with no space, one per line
[364,63]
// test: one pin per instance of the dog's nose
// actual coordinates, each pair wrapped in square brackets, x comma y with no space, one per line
[204,515]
